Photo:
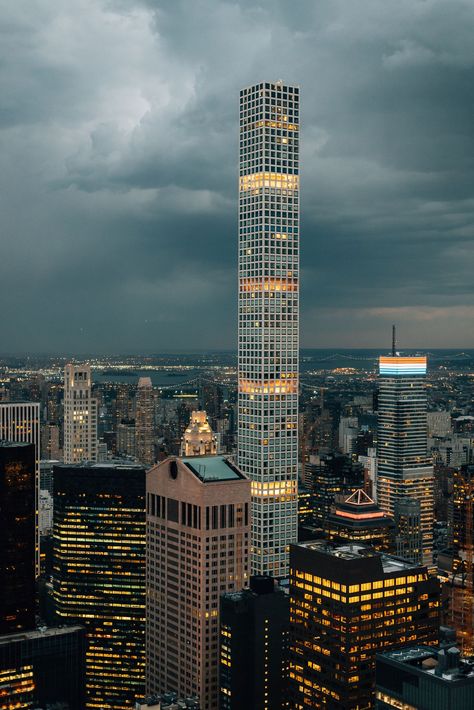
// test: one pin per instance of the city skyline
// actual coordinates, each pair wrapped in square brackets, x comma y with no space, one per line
[249,496]
[121,184]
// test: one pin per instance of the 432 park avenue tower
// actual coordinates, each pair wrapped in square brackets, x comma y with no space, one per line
[268,317]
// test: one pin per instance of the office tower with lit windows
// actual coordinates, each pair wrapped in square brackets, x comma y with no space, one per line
[198,438]
[198,531]
[305,506]
[80,415]
[408,532]
[254,647]
[99,574]
[126,438]
[20,421]
[269,317]
[43,668]
[144,419]
[347,603]
[461,558]
[404,467]
[357,518]
[17,536]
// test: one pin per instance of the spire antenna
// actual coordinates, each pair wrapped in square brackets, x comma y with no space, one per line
[394,341]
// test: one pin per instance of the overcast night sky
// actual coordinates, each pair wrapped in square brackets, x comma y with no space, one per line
[118,151]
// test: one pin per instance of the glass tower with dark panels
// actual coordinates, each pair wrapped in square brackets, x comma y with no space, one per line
[404,467]
[20,421]
[268,317]
[17,536]
[99,574]
[43,668]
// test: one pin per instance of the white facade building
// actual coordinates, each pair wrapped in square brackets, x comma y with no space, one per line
[45,512]
[348,431]
[198,438]
[269,317]
[80,415]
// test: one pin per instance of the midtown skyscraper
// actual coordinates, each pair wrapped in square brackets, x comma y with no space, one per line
[145,404]
[404,467]
[197,549]
[17,537]
[20,421]
[80,415]
[99,574]
[268,317]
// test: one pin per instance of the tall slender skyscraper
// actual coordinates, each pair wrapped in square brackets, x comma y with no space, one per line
[80,415]
[268,317]
[144,422]
[404,468]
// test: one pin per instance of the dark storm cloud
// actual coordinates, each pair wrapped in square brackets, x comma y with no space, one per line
[118,139]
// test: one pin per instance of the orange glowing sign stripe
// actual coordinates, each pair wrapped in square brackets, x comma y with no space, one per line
[403,360]
[360,516]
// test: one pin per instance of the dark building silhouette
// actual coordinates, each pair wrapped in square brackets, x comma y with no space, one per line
[357,518]
[17,536]
[305,506]
[409,539]
[346,603]
[43,668]
[333,476]
[99,574]
[254,647]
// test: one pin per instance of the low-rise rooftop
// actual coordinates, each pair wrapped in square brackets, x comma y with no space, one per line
[390,563]
[211,469]
[444,663]
[41,632]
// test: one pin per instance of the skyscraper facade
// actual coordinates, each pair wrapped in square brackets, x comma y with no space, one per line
[404,467]
[254,647]
[268,317]
[144,418]
[43,668]
[80,415]
[197,548]
[20,421]
[346,603]
[99,574]
[17,537]
[409,538]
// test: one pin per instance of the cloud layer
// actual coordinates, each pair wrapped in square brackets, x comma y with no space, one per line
[118,157]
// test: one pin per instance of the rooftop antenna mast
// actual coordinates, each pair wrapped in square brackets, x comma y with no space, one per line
[394,341]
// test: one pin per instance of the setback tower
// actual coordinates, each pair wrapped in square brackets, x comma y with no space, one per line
[404,468]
